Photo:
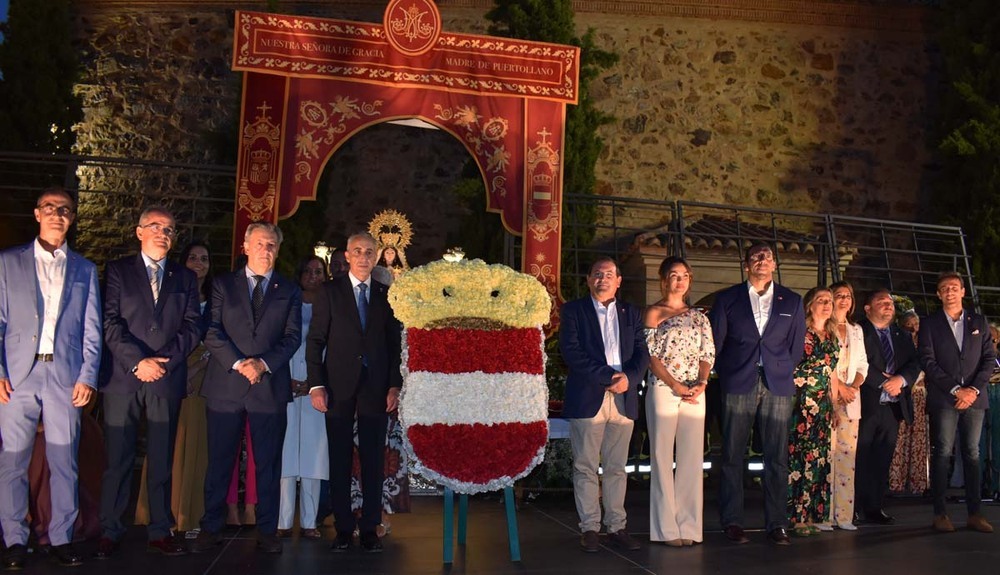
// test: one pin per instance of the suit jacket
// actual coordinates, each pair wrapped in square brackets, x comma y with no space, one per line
[739,345]
[582,348]
[857,362]
[77,343]
[336,328]
[907,365]
[232,335]
[135,328]
[946,366]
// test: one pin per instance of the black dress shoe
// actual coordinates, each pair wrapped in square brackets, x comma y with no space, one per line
[206,541]
[66,555]
[736,534]
[269,544]
[342,542]
[15,557]
[880,517]
[166,546]
[370,542]
[779,536]
[858,519]
[106,547]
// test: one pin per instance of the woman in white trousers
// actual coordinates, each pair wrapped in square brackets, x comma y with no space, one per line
[681,353]
[305,458]
[852,369]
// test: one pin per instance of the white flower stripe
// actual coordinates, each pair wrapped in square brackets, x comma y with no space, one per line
[476,397]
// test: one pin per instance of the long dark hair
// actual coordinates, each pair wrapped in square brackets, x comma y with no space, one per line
[206,286]
[301,269]
[396,261]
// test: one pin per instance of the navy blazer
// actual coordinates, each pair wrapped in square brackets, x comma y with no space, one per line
[946,366]
[232,335]
[739,345]
[582,348]
[135,328]
[907,365]
[336,328]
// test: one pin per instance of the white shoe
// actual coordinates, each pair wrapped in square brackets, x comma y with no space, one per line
[823,526]
[847,526]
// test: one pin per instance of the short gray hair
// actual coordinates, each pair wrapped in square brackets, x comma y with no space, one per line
[362,236]
[267,227]
[162,210]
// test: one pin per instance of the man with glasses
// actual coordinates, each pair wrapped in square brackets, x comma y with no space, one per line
[759,329]
[958,357]
[50,353]
[603,344]
[152,322]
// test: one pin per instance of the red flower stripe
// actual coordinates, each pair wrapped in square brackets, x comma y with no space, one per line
[477,453]
[451,350]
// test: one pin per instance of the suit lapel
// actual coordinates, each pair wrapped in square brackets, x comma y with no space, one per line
[276,284]
[242,286]
[72,264]
[967,337]
[141,279]
[166,284]
[625,329]
[27,263]
[350,302]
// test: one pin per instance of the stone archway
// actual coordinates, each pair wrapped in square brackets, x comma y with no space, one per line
[311,83]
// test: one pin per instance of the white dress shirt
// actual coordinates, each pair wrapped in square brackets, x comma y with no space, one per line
[761,305]
[51,272]
[607,318]
[957,328]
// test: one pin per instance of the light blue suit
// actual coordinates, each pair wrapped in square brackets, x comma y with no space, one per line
[44,390]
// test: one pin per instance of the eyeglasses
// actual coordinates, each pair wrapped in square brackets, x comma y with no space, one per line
[53,210]
[158,228]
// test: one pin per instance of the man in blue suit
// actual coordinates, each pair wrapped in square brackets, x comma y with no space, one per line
[152,321]
[759,329]
[256,327]
[50,353]
[604,347]
[958,359]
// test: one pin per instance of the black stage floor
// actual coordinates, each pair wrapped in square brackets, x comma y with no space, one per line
[549,545]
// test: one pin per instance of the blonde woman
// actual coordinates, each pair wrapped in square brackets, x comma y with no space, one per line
[681,354]
[852,368]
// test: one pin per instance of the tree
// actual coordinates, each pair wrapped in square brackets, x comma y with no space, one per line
[968,137]
[552,21]
[39,67]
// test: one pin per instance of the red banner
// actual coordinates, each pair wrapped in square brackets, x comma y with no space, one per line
[312,83]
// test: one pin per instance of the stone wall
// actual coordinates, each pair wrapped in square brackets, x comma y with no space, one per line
[745,111]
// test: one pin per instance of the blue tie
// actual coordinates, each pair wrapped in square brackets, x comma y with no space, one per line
[363,305]
[887,353]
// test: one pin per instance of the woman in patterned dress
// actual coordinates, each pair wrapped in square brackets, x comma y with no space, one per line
[852,369]
[813,417]
[910,468]
[681,353]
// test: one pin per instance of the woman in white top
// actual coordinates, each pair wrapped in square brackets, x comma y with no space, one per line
[852,368]
[681,354]
[305,456]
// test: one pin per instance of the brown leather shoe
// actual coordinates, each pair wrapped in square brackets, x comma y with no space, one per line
[283,533]
[779,536]
[590,542]
[166,546]
[736,534]
[622,539]
[979,523]
[311,534]
[943,525]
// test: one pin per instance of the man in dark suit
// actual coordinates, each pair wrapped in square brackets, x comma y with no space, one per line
[255,328]
[353,323]
[151,324]
[958,358]
[603,345]
[759,330]
[50,353]
[893,367]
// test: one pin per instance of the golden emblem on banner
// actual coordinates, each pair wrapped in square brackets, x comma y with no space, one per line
[259,165]
[484,139]
[412,26]
[311,144]
[543,169]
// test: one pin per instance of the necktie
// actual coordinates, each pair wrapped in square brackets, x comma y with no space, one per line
[154,280]
[257,299]
[887,353]
[363,305]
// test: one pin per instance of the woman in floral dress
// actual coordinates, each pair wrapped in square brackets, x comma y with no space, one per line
[681,354]
[812,418]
